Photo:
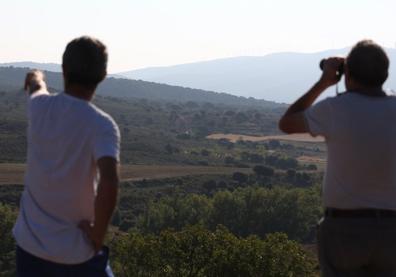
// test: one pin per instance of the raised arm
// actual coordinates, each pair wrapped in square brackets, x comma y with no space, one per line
[293,120]
[105,202]
[35,82]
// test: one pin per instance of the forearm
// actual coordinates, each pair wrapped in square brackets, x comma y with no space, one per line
[105,203]
[293,120]
[307,99]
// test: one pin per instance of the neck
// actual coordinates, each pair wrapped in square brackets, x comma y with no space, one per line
[80,92]
[376,91]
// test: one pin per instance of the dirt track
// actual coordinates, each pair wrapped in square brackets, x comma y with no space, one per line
[13,173]
[296,137]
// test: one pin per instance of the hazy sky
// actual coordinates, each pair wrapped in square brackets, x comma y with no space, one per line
[142,33]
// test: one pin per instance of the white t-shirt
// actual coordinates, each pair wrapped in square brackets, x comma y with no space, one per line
[66,136]
[360,133]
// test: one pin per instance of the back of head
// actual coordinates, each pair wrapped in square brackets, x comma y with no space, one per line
[368,64]
[84,62]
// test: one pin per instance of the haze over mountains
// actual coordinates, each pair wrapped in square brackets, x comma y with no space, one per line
[54,67]
[279,77]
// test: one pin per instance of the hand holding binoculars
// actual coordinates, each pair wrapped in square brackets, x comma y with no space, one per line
[340,68]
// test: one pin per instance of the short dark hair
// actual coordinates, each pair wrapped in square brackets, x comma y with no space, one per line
[84,61]
[368,63]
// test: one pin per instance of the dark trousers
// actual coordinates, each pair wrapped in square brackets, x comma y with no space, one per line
[350,247]
[28,265]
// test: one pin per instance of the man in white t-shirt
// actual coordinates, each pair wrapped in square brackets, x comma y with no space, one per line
[356,237]
[71,178]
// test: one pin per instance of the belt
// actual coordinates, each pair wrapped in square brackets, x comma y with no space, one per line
[368,213]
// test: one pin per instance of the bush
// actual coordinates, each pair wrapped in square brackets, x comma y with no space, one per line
[312,167]
[240,177]
[245,211]
[196,251]
[229,160]
[7,243]
[261,170]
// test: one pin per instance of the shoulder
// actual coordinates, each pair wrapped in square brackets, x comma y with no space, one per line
[340,99]
[39,101]
[103,121]
[40,96]
[324,103]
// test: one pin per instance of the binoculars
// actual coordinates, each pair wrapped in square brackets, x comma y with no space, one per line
[340,69]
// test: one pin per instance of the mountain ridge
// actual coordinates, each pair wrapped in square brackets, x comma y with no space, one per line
[280,77]
[12,78]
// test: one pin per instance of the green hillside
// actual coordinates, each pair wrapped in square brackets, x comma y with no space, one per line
[152,131]
[11,78]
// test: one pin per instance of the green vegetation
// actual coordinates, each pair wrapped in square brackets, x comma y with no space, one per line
[152,132]
[7,244]
[195,251]
[248,223]
[12,78]
[245,211]
[164,133]
[228,231]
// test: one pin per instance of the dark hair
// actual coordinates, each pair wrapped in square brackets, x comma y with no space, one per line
[84,62]
[368,63]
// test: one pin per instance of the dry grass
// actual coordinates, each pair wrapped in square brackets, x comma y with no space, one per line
[13,173]
[309,159]
[295,137]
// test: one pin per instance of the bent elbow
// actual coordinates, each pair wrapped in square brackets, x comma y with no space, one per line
[283,126]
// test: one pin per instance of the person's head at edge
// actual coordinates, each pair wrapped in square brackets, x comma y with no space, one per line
[366,67]
[84,66]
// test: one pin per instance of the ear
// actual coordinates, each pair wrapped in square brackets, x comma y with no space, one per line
[104,74]
[65,82]
[63,72]
[347,78]
[346,70]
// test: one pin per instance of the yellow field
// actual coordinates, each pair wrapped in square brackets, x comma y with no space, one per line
[13,173]
[295,137]
[309,159]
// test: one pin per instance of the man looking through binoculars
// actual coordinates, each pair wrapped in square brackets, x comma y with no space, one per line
[356,236]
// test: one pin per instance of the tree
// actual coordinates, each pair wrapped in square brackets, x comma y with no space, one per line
[256,158]
[274,144]
[291,173]
[240,177]
[7,243]
[261,170]
[175,212]
[312,167]
[229,160]
[287,163]
[244,211]
[283,257]
[197,251]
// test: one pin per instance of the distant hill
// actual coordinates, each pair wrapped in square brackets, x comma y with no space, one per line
[54,67]
[11,78]
[42,66]
[280,77]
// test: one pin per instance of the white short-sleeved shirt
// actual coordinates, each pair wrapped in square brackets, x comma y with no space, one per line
[66,137]
[360,133]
